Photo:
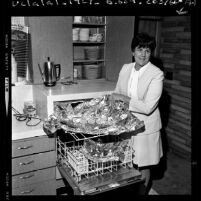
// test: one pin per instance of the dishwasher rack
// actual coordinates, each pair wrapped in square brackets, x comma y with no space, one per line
[70,154]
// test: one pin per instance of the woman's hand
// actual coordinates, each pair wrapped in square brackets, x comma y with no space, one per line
[121,97]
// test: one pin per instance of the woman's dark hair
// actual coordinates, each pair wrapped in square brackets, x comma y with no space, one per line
[143,40]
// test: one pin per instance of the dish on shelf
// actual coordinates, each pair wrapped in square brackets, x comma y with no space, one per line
[84,34]
[77,19]
[76,34]
[91,71]
[92,53]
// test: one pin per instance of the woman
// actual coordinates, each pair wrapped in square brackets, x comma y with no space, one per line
[140,85]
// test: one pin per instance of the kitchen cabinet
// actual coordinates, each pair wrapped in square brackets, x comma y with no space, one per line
[120,31]
[34,166]
[89,36]
[51,37]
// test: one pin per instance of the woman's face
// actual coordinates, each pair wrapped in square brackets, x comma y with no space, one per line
[142,55]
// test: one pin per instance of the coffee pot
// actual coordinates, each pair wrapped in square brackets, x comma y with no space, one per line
[51,73]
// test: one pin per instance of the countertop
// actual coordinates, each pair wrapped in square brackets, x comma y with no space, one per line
[45,97]
[21,131]
[82,87]
[83,90]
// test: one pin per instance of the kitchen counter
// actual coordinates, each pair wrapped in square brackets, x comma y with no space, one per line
[45,97]
[85,89]
[21,131]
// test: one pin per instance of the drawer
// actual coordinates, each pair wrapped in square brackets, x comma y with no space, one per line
[33,177]
[43,188]
[32,146]
[33,162]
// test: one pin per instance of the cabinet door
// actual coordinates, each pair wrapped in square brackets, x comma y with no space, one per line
[33,162]
[120,30]
[43,188]
[51,37]
[32,146]
[33,177]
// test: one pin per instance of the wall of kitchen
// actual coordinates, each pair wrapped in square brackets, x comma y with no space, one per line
[175,53]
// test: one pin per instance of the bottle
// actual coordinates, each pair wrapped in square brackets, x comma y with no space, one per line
[14,69]
[75,74]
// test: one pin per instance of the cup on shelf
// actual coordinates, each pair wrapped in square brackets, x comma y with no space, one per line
[93,38]
[99,37]
[77,19]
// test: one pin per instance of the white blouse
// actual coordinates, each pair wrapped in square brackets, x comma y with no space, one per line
[133,80]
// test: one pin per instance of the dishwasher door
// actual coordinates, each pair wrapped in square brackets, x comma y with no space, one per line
[101,183]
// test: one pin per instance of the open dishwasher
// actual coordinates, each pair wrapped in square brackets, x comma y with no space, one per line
[94,149]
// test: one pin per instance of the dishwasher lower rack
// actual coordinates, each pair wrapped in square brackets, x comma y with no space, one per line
[82,166]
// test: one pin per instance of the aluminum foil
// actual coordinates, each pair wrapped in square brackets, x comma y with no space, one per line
[94,117]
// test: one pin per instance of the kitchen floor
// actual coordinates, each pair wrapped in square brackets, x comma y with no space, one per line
[172,176]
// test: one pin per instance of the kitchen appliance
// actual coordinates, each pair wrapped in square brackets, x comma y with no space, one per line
[86,176]
[29,108]
[95,159]
[50,73]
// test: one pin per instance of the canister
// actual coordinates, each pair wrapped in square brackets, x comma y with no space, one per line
[30,108]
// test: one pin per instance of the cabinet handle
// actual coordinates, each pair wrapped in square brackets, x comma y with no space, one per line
[27,147]
[27,176]
[26,192]
[26,163]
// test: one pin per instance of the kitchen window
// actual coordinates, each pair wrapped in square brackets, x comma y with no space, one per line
[21,50]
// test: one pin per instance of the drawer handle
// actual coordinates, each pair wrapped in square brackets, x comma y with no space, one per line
[26,163]
[27,147]
[27,176]
[26,192]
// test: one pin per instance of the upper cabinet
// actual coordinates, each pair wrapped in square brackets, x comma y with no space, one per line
[51,37]
[89,36]
[120,31]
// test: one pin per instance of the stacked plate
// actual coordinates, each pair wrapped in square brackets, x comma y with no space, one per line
[92,53]
[84,34]
[91,71]
[75,34]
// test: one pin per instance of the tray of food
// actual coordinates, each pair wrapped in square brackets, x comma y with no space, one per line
[94,117]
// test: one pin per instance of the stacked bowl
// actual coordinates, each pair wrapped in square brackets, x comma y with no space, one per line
[92,53]
[91,71]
